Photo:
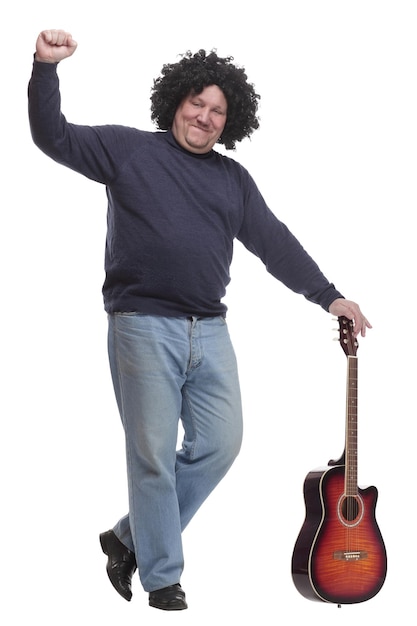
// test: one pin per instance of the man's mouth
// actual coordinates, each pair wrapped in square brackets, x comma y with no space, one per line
[203,130]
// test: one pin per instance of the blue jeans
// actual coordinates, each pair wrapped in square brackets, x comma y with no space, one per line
[165,370]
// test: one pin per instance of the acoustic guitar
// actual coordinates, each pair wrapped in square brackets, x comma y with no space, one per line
[340,556]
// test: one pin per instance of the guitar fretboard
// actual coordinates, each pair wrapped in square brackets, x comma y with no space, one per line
[351,448]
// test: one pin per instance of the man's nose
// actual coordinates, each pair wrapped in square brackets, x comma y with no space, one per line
[204,117]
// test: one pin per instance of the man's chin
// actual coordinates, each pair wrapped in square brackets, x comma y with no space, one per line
[199,140]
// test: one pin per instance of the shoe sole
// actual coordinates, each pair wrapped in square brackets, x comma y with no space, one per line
[168,608]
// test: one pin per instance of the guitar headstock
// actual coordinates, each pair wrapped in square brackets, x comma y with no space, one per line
[348,342]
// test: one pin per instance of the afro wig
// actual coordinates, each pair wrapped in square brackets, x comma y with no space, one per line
[192,74]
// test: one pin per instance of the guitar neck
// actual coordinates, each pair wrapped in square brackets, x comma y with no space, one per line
[351,437]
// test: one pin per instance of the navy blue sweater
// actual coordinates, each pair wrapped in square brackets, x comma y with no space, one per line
[172,215]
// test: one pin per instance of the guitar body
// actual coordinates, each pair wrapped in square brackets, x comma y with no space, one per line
[339,555]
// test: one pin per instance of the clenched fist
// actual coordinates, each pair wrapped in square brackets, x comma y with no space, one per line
[53,46]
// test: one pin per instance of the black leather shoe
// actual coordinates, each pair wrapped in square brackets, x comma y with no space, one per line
[121,564]
[170,598]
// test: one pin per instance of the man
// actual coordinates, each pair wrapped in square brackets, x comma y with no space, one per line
[175,207]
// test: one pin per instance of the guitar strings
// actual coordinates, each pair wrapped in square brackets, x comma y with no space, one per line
[352,508]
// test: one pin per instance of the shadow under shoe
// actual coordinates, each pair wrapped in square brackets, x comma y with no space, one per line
[170,598]
[121,563]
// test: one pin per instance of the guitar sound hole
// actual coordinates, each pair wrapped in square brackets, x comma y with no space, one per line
[350,509]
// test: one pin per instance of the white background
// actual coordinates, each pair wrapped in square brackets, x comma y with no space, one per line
[335,158]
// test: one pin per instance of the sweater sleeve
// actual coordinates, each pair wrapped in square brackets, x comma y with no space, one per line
[283,255]
[97,152]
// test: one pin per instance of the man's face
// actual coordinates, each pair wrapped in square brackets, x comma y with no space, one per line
[200,119]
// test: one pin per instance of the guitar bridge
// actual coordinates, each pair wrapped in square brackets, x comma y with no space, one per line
[350,555]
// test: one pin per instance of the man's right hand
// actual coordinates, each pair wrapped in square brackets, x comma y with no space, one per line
[53,46]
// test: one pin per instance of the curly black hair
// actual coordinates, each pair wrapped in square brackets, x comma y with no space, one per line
[192,74]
